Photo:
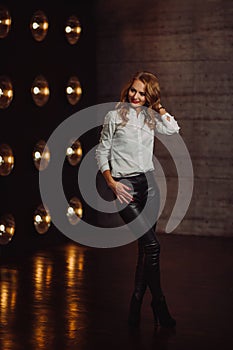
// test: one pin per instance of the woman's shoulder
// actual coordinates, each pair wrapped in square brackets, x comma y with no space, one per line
[112,116]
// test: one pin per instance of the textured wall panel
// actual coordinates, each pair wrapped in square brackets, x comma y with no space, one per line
[189,45]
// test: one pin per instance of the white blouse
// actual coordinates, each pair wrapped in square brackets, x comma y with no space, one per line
[128,150]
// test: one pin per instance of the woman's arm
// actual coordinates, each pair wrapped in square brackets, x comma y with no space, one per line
[103,152]
[166,123]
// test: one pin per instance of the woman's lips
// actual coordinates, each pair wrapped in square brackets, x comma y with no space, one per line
[134,101]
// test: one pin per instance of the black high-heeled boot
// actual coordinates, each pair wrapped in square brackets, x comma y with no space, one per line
[156,321]
[134,311]
[160,308]
[140,286]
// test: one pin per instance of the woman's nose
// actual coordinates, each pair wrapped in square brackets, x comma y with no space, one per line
[135,95]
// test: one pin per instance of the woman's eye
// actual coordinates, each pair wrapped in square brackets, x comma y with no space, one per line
[142,94]
[132,90]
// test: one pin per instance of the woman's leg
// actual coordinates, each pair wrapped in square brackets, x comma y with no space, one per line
[151,246]
[146,196]
[149,242]
[140,285]
[146,244]
[147,269]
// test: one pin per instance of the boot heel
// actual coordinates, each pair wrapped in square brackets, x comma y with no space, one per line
[156,322]
[134,317]
[160,309]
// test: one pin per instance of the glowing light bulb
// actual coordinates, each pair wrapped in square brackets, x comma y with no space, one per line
[69,90]
[68,29]
[72,30]
[37,155]
[41,155]
[39,25]
[73,90]
[38,219]
[69,151]
[35,25]
[36,90]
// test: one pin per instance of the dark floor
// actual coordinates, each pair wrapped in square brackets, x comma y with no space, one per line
[72,297]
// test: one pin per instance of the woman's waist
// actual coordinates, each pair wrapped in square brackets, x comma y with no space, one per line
[135,176]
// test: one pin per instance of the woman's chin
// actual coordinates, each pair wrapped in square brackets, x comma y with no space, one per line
[135,105]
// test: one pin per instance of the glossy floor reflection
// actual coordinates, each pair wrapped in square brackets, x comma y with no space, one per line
[73,297]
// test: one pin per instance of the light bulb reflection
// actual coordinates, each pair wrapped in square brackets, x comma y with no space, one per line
[5,22]
[42,219]
[74,211]
[74,153]
[7,228]
[73,90]
[68,29]
[40,91]
[6,92]
[35,25]
[36,90]
[69,90]
[39,25]
[73,30]
[41,155]
[6,160]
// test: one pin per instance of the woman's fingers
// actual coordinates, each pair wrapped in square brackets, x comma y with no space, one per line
[126,187]
[122,193]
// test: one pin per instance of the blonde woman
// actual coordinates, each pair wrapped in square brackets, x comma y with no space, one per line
[125,158]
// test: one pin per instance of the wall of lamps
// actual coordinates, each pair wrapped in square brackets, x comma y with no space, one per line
[41,91]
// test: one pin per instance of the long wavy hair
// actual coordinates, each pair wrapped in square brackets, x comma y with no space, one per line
[152,94]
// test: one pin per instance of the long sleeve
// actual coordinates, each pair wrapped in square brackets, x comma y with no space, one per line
[103,150]
[166,124]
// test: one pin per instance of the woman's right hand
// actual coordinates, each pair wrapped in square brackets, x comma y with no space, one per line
[121,191]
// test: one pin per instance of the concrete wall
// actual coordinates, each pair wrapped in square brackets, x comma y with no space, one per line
[189,45]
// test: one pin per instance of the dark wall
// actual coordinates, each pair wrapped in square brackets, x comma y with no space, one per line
[188,44]
[23,123]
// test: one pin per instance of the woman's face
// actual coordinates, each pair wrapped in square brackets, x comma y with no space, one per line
[137,94]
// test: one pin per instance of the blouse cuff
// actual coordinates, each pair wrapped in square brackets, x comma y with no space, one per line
[164,118]
[170,123]
[104,167]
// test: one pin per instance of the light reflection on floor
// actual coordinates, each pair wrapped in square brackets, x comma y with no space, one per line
[74,297]
[42,298]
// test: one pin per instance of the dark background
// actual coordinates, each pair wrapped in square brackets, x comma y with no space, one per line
[23,123]
[188,44]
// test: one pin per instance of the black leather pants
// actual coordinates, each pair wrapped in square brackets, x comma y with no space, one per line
[146,195]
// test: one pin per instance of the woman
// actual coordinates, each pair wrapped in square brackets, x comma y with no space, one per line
[125,152]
